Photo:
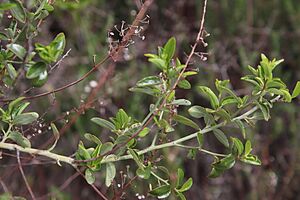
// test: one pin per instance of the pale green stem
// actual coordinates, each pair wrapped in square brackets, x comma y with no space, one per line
[159,178]
[5,134]
[202,150]
[57,157]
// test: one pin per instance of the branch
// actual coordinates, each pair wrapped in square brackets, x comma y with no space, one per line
[56,157]
[24,177]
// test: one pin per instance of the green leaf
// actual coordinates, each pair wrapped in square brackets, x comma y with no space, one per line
[161,192]
[189,73]
[11,71]
[248,147]
[180,177]
[40,80]
[14,105]
[222,165]
[181,196]
[144,132]
[35,70]
[229,100]
[25,118]
[56,136]
[106,147]
[184,84]
[221,137]
[241,125]
[58,44]
[265,110]
[186,121]
[17,49]
[160,63]
[89,176]
[18,11]
[144,173]
[82,152]
[19,139]
[186,186]
[122,118]
[197,111]
[147,90]
[200,139]
[149,81]
[181,102]
[7,6]
[110,173]
[164,124]
[54,50]
[103,123]
[296,90]
[238,147]
[251,159]
[92,138]
[214,101]
[169,49]
[136,158]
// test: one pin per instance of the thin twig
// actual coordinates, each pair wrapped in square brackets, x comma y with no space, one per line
[93,186]
[4,186]
[24,177]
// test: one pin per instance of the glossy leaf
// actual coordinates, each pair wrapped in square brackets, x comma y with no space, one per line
[18,11]
[180,177]
[40,80]
[149,81]
[161,192]
[169,49]
[35,70]
[17,49]
[186,186]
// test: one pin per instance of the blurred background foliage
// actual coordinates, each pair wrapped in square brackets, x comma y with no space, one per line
[239,31]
